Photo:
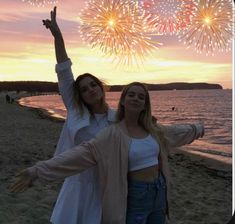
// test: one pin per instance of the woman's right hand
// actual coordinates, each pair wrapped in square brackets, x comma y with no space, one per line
[22,183]
[52,24]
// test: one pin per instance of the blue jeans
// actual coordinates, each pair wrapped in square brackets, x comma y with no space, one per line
[146,202]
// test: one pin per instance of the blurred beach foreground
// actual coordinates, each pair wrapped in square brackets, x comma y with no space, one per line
[202,194]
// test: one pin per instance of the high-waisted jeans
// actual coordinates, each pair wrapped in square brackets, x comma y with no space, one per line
[146,202]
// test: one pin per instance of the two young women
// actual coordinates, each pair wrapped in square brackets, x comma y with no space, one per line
[125,167]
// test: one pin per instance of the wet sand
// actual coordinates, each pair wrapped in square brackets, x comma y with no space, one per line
[201,190]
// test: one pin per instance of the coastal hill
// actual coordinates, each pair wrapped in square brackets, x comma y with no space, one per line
[39,86]
[174,86]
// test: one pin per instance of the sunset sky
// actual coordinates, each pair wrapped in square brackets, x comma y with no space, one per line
[27,51]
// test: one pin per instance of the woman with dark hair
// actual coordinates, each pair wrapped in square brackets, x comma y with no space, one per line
[131,160]
[87,114]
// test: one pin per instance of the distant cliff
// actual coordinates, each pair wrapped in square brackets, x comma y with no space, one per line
[38,86]
[29,86]
[174,86]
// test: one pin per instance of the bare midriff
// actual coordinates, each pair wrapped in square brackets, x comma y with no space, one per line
[146,174]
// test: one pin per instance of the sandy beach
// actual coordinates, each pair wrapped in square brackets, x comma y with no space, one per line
[201,193]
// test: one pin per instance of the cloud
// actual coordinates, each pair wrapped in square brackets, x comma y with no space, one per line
[26,44]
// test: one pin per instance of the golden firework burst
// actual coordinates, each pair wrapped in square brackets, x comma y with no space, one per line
[211,28]
[118,29]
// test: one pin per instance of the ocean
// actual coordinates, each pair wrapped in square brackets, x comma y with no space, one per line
[213,107]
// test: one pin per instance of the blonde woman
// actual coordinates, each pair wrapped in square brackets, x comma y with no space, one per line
[131,160]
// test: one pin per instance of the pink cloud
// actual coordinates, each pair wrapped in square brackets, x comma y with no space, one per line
[26,24]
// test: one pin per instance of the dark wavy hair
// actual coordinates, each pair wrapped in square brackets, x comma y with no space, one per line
[78,97]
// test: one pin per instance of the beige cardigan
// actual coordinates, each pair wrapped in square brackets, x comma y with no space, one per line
[109,152]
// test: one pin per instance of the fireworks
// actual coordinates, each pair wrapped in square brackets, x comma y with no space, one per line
[211,28]
[168,16]
[118,29]
[40,3]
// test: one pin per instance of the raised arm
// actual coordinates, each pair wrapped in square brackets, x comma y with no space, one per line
[63,67]
[60,51]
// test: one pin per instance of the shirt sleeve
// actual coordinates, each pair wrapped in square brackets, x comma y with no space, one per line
[73,161]
[65,164]
[65,83]
[179,135]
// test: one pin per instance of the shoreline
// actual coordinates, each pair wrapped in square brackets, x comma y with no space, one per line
[43,113]
[213,166]
[209,161]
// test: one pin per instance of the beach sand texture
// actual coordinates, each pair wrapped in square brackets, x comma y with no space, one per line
[200,195]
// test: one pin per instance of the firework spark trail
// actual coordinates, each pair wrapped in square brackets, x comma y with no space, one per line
[118,29]
[40,3]
[211,28]
[168,16]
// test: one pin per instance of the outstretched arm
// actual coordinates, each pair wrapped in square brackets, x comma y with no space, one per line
[179,135]
[60,51]
[63,165]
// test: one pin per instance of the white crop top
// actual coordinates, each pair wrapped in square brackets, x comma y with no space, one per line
[143,153]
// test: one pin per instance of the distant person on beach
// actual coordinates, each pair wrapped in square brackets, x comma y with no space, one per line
[8,99]
[131,159]
[87,114]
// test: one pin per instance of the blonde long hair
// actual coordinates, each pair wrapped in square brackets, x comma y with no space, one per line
[145,118]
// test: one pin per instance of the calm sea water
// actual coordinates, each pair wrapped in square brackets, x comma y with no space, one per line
[213,107]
